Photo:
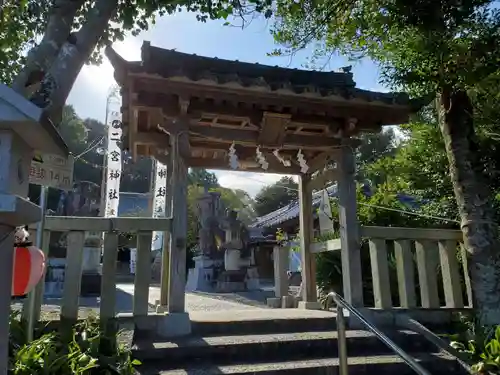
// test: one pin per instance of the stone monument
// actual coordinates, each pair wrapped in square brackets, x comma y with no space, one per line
[201,277]
[239,272]
[224,262]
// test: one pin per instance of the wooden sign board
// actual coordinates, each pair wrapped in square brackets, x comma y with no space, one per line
[52,171]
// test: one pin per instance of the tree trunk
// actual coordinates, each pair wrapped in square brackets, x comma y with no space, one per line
[58,29]
[474,200]
[60,77]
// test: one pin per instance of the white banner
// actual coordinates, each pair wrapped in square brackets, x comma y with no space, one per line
[114,164]
[159,200]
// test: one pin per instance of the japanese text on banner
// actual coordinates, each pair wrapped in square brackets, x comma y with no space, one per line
[159,200]
[114,164]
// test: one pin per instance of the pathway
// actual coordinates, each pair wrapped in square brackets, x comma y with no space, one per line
[195,302]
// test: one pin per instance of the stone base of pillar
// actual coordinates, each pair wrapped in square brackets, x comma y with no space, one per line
[288,302]
[91,284]
[174,325]
[274,302]
[310,305]
[231,282]
[285,302]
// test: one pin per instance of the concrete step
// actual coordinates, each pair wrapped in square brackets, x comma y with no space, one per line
[261,321]
[436,364]
[263,326]
[271,347]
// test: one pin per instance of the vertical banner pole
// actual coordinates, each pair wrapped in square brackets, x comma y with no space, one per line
[159,195]
[114,164]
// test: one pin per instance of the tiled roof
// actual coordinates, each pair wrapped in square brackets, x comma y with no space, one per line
[169,63]
[288,212]
[291,211]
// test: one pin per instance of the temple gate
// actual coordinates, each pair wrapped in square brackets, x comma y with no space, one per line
[192,111]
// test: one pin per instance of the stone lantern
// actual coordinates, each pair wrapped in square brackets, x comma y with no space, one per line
[24,128]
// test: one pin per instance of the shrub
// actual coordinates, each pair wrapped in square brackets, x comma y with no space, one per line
[480,345]
[86,351]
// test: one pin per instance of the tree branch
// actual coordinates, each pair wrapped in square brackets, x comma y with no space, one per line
[59,80]
[41,57]
[92,31]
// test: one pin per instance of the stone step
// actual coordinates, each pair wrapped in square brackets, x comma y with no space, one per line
[271,347]
[246,327]
[436,364]
[261,321]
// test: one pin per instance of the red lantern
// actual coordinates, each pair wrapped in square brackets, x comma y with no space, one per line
[29,265]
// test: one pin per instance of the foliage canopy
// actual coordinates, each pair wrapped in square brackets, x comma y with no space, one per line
[421,47]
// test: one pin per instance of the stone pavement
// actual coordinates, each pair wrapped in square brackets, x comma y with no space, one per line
[195,302]
[209,301]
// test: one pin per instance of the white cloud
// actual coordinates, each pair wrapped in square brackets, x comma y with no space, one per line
[252,183]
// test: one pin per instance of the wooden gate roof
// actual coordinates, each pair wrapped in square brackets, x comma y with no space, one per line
[246,104]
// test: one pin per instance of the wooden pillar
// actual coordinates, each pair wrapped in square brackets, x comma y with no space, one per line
[309,295]
[349,228]
[165,256]
[281,260]
[177,261]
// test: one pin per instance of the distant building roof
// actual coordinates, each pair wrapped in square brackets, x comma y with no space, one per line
[291,211]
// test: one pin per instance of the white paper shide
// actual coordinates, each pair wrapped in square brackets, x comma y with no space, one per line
[159,200]
[114,164]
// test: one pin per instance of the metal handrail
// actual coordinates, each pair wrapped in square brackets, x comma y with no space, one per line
[342,342]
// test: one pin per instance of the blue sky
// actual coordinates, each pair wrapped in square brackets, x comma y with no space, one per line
[212,39]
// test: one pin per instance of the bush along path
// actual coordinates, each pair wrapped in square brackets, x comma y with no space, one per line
[85,350]
[480,345]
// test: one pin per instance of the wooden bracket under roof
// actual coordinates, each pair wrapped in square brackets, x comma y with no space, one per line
[273,129]
[224,102]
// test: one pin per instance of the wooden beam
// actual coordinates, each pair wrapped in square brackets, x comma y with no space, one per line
[376,113]
[223,164]
[272,132]
[159,147]
[245,137]
[153,138]
[308,261]
[200,106]
[320,161]
[397,233]
[101,224]
[276,165]
[177,261]
[277,123]
[162,158]
[321,179]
